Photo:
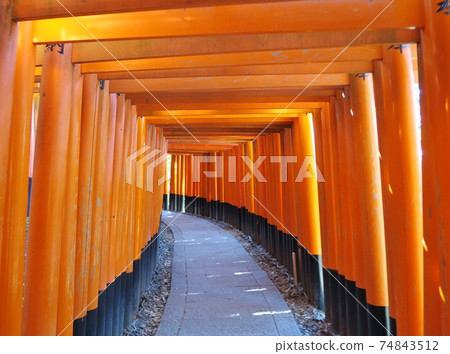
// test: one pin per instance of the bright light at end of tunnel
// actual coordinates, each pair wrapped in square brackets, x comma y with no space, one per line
[441,293]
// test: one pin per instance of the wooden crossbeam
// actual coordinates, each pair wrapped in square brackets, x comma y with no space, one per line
[223,111]
[295,16]
[307,102]
[200,132]
[198,147]
[38,9]
[225,119]
[205,45]
[207,108]
[350,67]
[228,82]
[337,67]
[234,96]
[294,56]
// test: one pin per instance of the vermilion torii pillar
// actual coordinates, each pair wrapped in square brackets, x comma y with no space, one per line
[15,222]
[331,173]
[308,196]
[372,222]
[9,31]
[48,199]
[434,73]
[402,187]
[67,275]
[85,200]
[351,276]
[98,208]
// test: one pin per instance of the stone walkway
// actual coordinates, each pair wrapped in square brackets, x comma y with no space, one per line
[217,287]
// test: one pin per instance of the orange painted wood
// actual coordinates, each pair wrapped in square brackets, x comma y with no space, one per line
[48,199]
[32,9]
[251,183]
[282,95]
[149,198]
[134,242]
[15,222]
[402,188]
[85,195]
[220,179]
[160,112]
[296,225]
[98,207]
[139,228]
[253,18]
[235,186]
[157,186]
[179,187]
[256,182]
[240,43]
[366,152]
[265,168]
[122,236]
[358,204]
[394,247]
[333,177]
[237,70]
[183,176]
[351,197]
[166,183]
[116,185]
[187,170]
[129,191]
[330,178]
[189,107]
[124,215]
[320,159]
[67,276]
[341,220]
[172,174]
[281,197]
[434,77]
[307,190]
[287,184]
[8,52]
[292,56]
[162,170]
[245,120]
[106,274]
[228,82]
[242,186]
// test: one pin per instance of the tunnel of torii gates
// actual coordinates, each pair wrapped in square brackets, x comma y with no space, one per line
[232,82]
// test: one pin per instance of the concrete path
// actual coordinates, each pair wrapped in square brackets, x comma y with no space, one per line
[217,287]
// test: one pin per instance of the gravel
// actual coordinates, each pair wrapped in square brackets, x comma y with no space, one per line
[151,308]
